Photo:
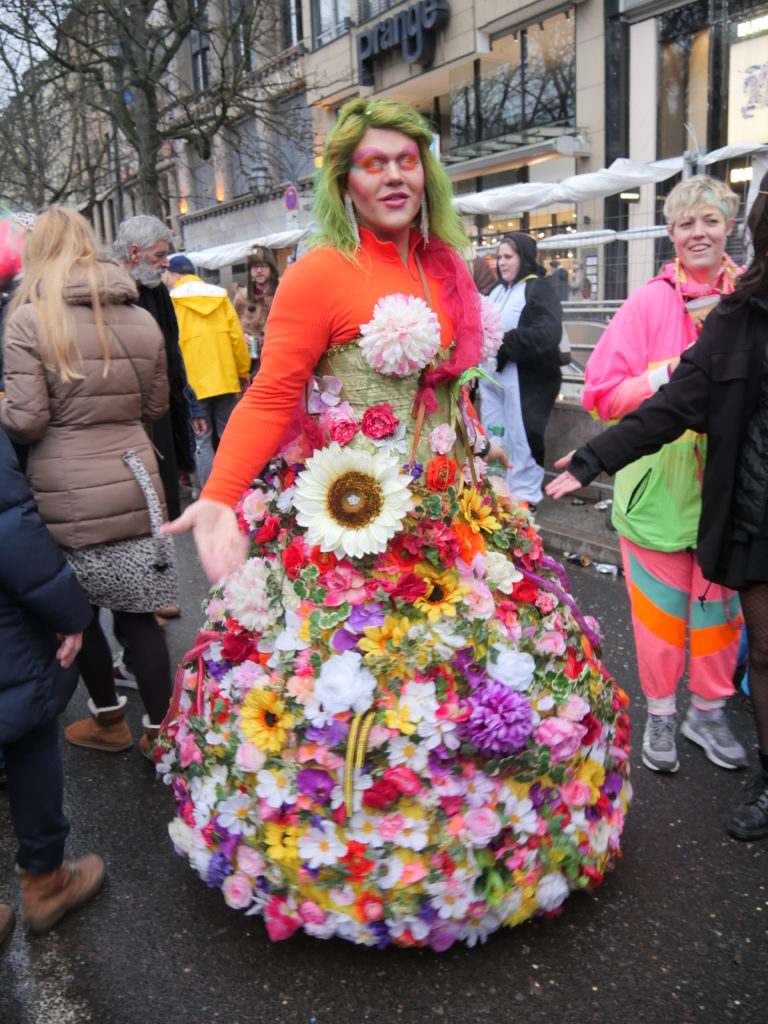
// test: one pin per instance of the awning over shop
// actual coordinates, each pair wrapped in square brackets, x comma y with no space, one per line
[622,175]
[577,239]
[235,252]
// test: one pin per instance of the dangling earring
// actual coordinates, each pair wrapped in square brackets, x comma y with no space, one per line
[350,212]
[424,225]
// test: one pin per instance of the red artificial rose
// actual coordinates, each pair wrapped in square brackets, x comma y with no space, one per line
[379,421]
[406,780]
[409,587]
[525,592]
[236,648]
[342,431]
[441,473]
[356,862]
[400,550]
[593,727]
[294,558]
[381,795]
[268,530]
[324,560]
[287,478]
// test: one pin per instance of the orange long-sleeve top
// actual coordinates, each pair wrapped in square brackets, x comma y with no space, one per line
[321,300]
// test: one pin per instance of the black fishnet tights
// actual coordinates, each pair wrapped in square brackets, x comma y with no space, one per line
[754,604]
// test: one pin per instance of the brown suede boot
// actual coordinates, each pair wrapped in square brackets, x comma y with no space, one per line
[147,741]
[6,922]
[47,898]
[106,730]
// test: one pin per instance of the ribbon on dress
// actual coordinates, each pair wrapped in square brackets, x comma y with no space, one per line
[357,744]
[203,641]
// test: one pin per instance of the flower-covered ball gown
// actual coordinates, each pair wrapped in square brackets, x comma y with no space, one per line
[395,726]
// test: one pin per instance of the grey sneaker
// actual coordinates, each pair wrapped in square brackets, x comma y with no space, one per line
[659,749]
[710,730]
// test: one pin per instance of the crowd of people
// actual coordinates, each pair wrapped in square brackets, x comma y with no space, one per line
[396,726]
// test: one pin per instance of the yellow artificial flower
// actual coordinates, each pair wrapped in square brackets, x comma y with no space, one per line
[442,595]
[400,720]
[593,773]
[264,720]
[479,516]
[281,842]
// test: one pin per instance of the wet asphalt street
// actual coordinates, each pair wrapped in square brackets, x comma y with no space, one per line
[678,933]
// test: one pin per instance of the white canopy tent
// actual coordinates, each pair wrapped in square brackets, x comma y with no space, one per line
[235,252]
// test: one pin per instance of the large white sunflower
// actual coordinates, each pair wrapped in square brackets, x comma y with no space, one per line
[350,501]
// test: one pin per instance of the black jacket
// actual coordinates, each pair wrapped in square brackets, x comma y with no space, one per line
[535,346]
[39,597]
[714,391]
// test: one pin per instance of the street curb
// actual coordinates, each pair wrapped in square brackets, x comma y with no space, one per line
[561,540]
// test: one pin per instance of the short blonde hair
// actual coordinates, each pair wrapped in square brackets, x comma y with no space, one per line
[700,190]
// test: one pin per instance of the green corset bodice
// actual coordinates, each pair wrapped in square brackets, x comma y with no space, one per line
[364,387]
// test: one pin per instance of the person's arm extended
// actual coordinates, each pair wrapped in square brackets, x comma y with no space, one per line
[681,404]
[25,410]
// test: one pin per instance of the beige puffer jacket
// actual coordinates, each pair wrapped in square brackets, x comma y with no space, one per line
[77,431]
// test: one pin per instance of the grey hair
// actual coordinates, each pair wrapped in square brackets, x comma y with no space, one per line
[143,230]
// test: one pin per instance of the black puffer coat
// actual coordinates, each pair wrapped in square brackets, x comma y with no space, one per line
[39,597]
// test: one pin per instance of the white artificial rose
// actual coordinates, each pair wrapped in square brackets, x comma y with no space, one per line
[501,572]
[512,667]
[344,684]
[551,890]
[182,836]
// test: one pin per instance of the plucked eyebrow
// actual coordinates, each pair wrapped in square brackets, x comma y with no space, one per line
[361,154]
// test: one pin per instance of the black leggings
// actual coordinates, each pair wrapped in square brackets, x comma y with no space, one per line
[150,659]
[754,604]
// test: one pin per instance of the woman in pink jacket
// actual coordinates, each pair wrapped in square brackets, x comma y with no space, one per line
[657,499]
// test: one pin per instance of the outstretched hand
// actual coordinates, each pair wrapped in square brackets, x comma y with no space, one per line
[69,648]
[220,544]
[566,482]
[497,454]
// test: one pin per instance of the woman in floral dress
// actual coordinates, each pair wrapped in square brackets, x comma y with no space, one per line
[395,726]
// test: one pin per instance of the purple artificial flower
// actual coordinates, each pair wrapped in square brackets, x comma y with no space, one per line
[219,867]
[218,669]
[612,785]
[364,615]
[342,640]
[540,795]
[441,760]
[442,937]
[592,812]
[315,783]
[334,733]
[415,469]
[473,670]
[381,931]
[500,721]
[227,842]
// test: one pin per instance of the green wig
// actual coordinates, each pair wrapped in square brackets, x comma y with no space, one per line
[355,118]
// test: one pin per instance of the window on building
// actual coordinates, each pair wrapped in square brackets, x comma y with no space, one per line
[291,29]
[528,81]
[684,79]
[241,12]
[367,9]
[200,47]
[330,19]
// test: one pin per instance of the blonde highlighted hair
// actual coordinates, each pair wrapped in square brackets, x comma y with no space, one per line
[698,191]
[60,241]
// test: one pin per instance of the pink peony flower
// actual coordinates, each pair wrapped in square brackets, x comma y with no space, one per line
[379,421]
[442,439]
[406,780]
[561,736]
[413,872]
[344,583]
[280,919]
[574,709]
[342,430]
[311,913]
[402,337]
[575,793]
[249,861]
[189,753]
[249,758]
[390,827]
[238,890]
[483,824]
[550,642]
[493,328]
